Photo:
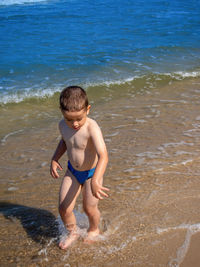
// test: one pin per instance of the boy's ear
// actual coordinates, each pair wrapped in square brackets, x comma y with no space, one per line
[88,109]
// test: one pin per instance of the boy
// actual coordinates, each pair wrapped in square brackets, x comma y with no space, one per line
[88,158]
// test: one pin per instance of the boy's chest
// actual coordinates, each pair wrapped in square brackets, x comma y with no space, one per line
[79,140]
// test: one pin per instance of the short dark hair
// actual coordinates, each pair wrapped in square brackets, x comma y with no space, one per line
[73,98]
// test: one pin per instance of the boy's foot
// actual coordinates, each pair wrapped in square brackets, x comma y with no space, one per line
[69,240]
[92,237]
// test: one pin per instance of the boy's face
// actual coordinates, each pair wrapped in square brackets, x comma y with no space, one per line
[76,119]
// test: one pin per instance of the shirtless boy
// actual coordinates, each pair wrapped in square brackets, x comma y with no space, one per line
[81,137]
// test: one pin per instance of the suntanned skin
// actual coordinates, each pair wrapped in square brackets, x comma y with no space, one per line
[85,146]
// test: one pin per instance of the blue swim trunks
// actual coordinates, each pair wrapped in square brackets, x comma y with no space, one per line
[81,176]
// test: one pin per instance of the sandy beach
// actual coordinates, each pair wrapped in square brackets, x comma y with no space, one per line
[152,215]
[192,257]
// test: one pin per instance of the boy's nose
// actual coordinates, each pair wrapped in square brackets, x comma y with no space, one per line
[75,123]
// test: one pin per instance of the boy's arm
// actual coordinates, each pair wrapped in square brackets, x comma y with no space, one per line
[60,150]
[97,188]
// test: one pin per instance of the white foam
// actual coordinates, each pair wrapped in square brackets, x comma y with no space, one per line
[112,135]
[113,82]
[123,126]
[177,144]
[185,74]
[192,227]
[140,120]
[181,252]
[3,140]
[135,177]
[82,224]
[149,154]
[192,133]
[186,161]
[17,97]
[180,75]
[37,92]
[115,115]
[12,188]
[19,2]
[181,152]
[196,125]
[44,251]
[129,170]
[171,101]
[115,249]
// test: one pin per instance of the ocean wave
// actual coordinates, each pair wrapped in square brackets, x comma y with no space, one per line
[112,82]
[19,2]
[179,75]
[17,97]
[138,82]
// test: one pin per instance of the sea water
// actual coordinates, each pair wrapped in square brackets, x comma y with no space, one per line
[46,45]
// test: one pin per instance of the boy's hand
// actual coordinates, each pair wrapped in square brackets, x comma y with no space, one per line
[53,168]
[98,190]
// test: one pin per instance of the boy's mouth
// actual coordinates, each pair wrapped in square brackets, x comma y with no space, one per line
[76,128]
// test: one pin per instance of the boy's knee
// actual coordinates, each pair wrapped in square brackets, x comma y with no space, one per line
[90,210]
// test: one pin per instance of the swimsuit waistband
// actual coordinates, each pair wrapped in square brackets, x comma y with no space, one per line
[87,171]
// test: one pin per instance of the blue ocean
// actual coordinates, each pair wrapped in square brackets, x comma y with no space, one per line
[46,45]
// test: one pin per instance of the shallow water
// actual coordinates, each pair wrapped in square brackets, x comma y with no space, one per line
[152,213]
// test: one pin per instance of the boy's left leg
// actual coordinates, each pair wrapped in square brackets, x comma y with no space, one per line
[69,191]
[90,206]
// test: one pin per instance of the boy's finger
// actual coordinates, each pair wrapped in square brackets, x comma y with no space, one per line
[103,193]
[52,173]
[105,188]
[55,174]
[60,167]
[99,196]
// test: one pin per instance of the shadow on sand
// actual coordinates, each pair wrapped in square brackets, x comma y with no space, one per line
[39,224]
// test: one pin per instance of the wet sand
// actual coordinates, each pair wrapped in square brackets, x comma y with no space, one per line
[152,215]
[192,257]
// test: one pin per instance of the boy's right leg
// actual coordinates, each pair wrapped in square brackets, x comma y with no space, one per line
[69,191]
[90,206]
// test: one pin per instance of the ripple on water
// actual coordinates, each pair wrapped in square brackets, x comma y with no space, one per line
[149,154]
[192,133]
[13,188]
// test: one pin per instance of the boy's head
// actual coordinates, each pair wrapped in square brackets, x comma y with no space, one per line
[74,106]
[73,98]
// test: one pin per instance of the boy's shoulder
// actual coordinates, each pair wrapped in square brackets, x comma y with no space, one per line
[93,127]
[92,123]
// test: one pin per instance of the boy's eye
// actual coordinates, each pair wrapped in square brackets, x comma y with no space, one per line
[73,120]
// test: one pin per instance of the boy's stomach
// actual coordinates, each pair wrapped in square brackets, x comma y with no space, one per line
[82,160]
